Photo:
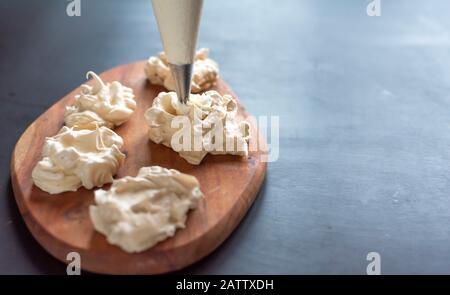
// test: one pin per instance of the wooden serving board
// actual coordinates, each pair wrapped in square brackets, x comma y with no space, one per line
[61,223]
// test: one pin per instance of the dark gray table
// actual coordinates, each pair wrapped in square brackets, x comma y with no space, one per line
[364,108]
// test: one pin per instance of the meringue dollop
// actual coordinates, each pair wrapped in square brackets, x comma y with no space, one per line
[74,158]
[103,104]
[138,212]
[204,76]
[213,125]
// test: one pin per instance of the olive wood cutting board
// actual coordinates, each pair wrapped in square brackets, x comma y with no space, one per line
[61,223]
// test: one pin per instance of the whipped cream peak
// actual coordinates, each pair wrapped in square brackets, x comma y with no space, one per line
[109,105]
[98,85]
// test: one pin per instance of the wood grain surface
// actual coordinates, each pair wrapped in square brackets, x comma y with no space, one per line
[61,223]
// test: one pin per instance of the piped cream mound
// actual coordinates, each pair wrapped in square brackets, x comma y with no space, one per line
[213,125]
[103,104]
[74,158]
[204,74]
[138,212]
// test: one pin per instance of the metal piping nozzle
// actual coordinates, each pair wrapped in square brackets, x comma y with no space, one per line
[182,74]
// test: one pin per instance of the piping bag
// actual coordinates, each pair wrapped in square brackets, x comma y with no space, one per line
[178,22]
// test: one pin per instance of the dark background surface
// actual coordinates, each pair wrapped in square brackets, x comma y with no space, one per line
[364,107]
